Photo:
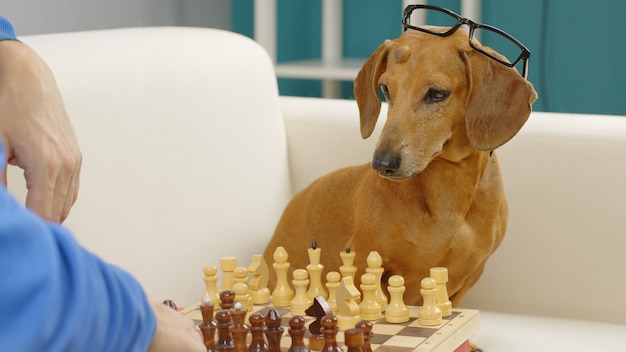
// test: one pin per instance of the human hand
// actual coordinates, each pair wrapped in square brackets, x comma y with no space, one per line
[174,332]
[36,132]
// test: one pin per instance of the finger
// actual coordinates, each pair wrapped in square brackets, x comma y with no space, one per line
[39,199]
[3,177]
[71,197]
[41,184]
[64,201]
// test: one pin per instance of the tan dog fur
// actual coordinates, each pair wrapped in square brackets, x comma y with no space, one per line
[443,204]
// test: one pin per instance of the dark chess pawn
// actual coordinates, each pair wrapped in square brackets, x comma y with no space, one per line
[354,340]
[227,299]
[256,330]
[224,341]
[296,331]
[329,330]
[273,330]
[366,327]
[238,329]
[208,326]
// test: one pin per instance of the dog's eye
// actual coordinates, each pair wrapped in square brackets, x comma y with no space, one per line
[385,90]
[436,95]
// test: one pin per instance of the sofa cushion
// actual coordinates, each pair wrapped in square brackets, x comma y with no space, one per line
[500,332]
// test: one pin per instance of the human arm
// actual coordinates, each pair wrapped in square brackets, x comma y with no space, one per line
[55,295]
[35,128]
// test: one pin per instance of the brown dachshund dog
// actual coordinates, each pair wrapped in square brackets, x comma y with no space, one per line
[433,194]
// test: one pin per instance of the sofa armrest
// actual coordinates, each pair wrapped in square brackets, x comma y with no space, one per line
[185,157]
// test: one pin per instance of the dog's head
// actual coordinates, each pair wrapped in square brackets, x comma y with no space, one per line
[444,98]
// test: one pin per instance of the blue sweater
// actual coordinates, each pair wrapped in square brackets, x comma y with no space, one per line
[57,296]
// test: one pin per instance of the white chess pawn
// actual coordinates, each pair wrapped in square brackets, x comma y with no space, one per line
[301,301]
[243,297]
[397,311]
[369,307]
[333,279]
[374,266]
[429,314]
[440,274]
[210,281]
[240,275]
[282,294]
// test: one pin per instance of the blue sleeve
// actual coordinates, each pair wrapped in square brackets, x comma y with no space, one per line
[57,296]
[6,30]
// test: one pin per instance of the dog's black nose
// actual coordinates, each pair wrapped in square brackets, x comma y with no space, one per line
[386,164]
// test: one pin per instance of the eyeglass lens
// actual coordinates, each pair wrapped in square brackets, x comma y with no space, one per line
[501,44]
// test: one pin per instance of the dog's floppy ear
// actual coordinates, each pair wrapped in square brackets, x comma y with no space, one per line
[498,104]
[366,88]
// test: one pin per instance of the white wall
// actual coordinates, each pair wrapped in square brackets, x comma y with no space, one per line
[45,16]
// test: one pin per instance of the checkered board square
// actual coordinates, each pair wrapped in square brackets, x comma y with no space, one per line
[403,337]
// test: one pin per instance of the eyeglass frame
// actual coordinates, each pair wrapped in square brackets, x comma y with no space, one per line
[524,55]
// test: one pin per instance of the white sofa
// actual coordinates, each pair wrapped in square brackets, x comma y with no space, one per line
[190,154]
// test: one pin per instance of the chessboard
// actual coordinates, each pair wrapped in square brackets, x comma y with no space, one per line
[451,335]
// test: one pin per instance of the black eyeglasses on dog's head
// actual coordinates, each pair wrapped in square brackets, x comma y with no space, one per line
[447,22]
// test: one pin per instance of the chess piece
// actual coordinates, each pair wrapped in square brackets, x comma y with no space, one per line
[333,280]
[348,314]
[429,314]
[296,331]
[347,258]
[440,274]
[228,265]
[329,330]
[301,300]
[374,266]
[318,310]
[206,308]
[258,283]
[348,269]
[397,311]
[315,273]
[224,340]
[242,296]
[282,294]
[366,327]
[354,340]
[238,329]
[369,307]
[208,326]
[227,299]
[240,275]
[256,330]
[210,281]
[170,304]
[273,330]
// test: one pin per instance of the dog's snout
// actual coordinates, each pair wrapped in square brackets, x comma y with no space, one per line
[386,164]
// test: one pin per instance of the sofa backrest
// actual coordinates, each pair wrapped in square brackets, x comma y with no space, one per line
[185,156]
[564,175]
[563,254]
